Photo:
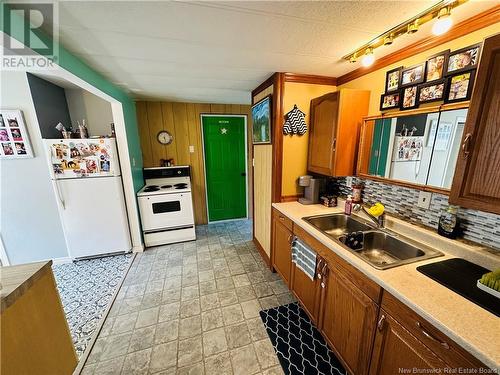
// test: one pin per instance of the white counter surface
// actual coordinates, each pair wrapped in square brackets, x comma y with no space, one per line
[472,327]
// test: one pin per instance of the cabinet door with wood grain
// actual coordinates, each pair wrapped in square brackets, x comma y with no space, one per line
[348,321]
[282,252]
[322,136]
[476,183]
[397,351]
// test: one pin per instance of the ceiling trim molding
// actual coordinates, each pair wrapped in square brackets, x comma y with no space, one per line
[310,78]
[264,85]
[479,21]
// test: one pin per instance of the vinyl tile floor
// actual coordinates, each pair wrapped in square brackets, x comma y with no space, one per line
[193,308]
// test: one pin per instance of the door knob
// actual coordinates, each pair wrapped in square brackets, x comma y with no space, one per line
[243,174]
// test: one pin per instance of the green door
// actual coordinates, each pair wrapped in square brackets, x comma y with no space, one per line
[224,142]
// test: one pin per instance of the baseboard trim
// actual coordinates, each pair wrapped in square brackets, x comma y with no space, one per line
[291,198]
[262,252]
[138,248]
[62,260]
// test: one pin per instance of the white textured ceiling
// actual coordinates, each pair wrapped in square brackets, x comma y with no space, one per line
[219,51]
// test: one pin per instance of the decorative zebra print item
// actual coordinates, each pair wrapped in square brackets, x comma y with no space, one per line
[295,122]
[299,346]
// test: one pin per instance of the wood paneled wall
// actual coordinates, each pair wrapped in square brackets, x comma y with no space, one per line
[183,121]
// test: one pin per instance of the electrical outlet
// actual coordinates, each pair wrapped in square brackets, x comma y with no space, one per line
[191,149]
[348,181]
[424,199]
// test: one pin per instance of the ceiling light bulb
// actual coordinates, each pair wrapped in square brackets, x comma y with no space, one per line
[368,58]
[443,22]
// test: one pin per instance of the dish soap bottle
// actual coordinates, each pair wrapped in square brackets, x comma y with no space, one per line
[348,205]
[449,225]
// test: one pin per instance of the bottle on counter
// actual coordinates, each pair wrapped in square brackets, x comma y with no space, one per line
[449,224]
[357,190]
[348,205]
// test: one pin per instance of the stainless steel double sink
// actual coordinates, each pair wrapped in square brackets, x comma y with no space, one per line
[379,247]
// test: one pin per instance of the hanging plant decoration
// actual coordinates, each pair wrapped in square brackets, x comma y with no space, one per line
[295,122]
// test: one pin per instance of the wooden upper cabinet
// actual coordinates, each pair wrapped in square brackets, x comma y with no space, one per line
[395,349]
[336,119]
[476,183]
[348,321]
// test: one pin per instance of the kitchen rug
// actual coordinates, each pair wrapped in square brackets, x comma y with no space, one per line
[298,344]
[87,288]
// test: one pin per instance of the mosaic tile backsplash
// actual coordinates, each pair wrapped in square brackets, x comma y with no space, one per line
[477,226]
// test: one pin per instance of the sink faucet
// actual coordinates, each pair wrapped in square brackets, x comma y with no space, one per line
[378,220]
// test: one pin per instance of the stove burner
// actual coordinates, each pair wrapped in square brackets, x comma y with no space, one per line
[180,186]
[166,186]
[152,188]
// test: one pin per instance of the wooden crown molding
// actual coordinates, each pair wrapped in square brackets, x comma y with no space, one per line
[479,21]
[310,78]
[264,85]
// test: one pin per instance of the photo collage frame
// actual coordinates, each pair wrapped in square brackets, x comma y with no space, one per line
[445,76]
[14,141]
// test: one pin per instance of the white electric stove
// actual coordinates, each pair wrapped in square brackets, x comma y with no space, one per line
[166,206]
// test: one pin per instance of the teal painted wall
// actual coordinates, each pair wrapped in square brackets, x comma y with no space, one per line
[76,66]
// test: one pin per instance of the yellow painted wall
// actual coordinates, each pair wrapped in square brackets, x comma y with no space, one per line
[295,147]
[375,81]
[263,165]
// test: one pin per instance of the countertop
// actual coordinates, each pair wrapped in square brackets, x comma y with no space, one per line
[16,280]
[469,325]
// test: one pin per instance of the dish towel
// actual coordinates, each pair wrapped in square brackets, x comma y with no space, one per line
[295,122]
[304,257]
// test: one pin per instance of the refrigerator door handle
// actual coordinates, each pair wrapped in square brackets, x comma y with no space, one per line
[59,195]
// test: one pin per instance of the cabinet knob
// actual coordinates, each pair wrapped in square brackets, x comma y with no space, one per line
[381,323]
[282,218]
[290,238]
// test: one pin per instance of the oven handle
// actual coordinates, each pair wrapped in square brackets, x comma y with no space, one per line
[168,229]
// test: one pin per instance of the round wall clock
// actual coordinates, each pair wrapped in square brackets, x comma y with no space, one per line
[164,137]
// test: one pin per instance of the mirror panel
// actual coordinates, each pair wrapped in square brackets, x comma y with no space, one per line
[419,149]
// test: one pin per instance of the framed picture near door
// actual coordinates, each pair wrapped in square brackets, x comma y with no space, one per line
[261,120]
[14,141]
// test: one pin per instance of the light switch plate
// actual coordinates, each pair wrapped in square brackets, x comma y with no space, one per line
[348,181]
[191,149]
[424,199]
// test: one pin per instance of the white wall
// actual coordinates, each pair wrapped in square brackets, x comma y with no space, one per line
[29,223]
[96,111]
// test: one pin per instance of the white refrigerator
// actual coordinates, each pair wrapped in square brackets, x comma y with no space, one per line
[88,187]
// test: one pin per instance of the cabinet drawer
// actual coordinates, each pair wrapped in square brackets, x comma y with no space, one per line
[282,219]
[438,342]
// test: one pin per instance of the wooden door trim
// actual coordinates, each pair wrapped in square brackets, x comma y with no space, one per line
[245,119]
[277,172]
[479,21]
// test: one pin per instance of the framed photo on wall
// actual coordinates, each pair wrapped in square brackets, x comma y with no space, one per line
[261,120]
[14,141]
[459,87]
[435,66]
[412,75]
[409,98]
[463,59]
[392,80]
[431,92]
[389,101]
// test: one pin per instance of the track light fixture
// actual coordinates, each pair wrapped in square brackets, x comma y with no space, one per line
[441,13]
[368,58]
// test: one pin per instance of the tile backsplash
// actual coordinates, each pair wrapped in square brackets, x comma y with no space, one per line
[477,226]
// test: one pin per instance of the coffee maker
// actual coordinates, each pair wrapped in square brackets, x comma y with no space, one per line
[311,189]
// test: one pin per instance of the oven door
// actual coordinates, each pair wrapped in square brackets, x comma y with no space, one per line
[166,211]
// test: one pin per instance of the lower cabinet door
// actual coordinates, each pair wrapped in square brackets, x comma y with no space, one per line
[282,252]
[397,351]
[307,292]
[348,321]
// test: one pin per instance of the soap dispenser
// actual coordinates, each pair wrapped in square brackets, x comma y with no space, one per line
[348,205]
[449,224]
